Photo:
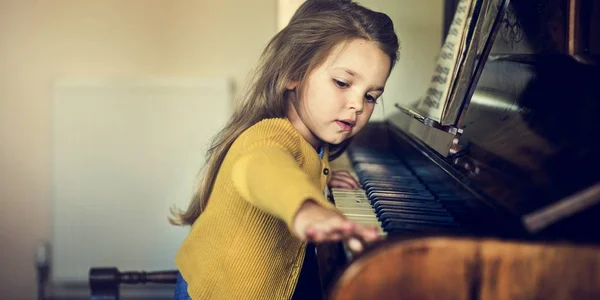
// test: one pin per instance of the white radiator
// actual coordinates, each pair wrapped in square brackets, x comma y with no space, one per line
[123,152]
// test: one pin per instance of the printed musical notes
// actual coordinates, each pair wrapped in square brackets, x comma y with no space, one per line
[434,101]
[460,55]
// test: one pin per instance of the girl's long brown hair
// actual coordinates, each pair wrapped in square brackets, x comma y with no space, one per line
[316,27]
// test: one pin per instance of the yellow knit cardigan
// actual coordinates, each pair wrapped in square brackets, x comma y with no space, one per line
[241,247]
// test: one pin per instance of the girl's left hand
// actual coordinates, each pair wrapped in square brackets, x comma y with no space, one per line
[343,179]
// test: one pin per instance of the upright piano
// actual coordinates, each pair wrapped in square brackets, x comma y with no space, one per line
[515,153]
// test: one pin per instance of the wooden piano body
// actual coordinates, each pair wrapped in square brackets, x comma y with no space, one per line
[469,268]
[519,166]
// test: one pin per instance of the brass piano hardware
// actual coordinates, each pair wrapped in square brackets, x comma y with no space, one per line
[411,113]
[428,121]
[437,138]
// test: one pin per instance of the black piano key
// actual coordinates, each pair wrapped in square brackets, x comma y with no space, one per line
[413,186]
[410,206]
[397,182]
[378,195]
[429,204]
[401,188]
[391,221]
[393,225]
[390,179]
[400,196]
[407,195]
[395,185]
[419,217]
[413,210]
[407,200]
[394,182]
[406,189]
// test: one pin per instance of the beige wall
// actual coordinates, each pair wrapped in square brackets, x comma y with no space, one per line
[43,40]
[418,25]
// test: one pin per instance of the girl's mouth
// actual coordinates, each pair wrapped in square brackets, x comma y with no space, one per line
[345,125]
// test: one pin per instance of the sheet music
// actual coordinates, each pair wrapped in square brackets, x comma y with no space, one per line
[487,12]
[445,71]
[462,51]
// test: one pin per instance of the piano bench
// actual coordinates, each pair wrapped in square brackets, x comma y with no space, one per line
[105,281]
[469,268]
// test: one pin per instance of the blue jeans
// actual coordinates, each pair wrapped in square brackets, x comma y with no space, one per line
[181,286]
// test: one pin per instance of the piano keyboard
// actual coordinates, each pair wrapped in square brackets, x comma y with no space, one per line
[396,196]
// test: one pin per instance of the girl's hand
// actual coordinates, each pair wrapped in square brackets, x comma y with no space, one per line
[315,223]
[343,179]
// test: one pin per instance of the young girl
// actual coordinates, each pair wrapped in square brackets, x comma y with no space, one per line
[262,196]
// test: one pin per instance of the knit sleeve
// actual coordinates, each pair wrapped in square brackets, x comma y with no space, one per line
[269,177]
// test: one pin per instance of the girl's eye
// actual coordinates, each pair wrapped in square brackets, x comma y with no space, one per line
[340,84]
[371,98]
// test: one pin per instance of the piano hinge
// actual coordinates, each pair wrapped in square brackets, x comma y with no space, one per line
[430,122]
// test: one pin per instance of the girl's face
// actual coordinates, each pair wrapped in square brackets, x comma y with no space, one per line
[339,96]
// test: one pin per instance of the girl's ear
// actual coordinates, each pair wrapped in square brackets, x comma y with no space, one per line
[291,85]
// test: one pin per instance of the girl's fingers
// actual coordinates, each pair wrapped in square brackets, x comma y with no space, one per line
[325,228]
[335,236]
[310,233]
[350,177]
[343,172]
[355,245]
[356,237]
[346,177]
[369,234]
[330,230]
[338,183]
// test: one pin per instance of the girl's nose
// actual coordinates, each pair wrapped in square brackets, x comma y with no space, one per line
[356,102]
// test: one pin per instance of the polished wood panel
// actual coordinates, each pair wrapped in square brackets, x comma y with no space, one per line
[469,268]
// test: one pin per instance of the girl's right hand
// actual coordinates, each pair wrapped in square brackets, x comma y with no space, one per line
[315,223]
